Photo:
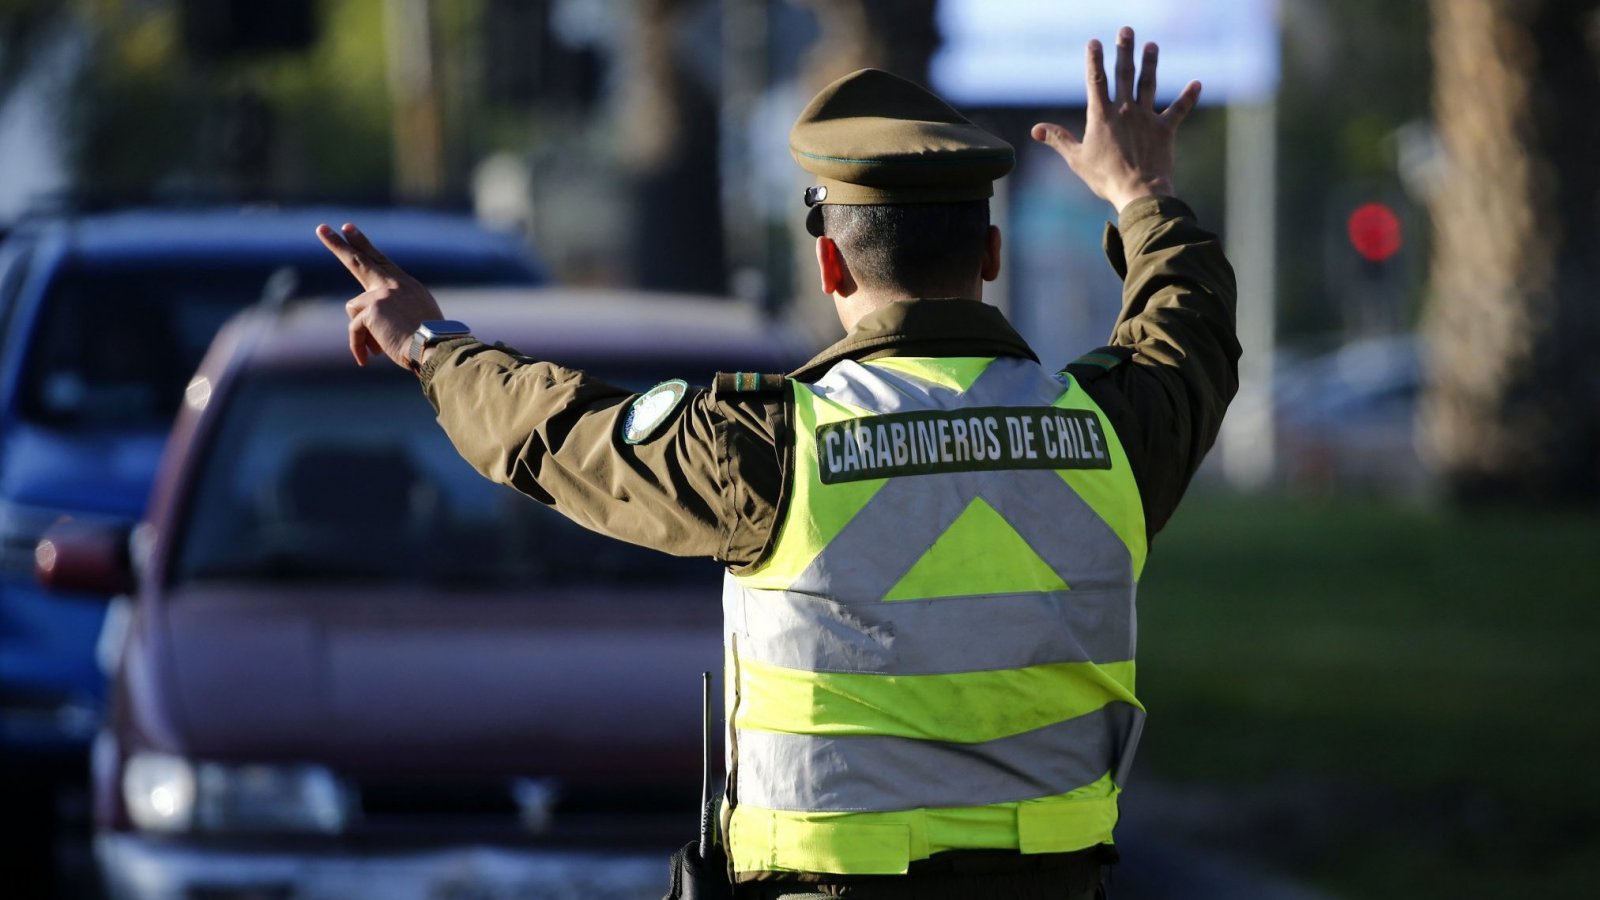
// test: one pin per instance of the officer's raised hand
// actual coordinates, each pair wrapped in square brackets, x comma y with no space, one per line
[392,305]
[1126,151]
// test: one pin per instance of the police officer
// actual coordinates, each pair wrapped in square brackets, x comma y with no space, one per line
[933,540]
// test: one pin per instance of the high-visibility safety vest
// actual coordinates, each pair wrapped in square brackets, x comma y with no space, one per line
[937,653]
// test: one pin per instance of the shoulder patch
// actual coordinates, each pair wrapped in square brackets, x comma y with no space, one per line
[651,409]
[727,383]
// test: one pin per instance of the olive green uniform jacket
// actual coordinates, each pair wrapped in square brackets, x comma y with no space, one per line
[711,482]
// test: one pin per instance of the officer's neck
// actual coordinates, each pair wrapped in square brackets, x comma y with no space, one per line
[862,302]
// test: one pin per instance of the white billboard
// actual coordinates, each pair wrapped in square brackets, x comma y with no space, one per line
[1030,52]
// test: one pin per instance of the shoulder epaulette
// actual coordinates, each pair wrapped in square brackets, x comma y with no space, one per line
[726,384]
[1096,363]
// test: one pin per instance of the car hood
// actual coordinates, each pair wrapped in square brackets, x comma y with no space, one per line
[582,685]
[100,471]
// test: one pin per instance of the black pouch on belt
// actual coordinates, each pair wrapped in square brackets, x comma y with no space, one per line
[696,877]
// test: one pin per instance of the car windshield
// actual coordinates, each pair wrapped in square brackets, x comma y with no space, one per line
[348,477]
[115,344]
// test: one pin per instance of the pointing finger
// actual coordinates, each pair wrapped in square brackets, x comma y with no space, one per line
[352,259]
[358,240]
[1095,76]
[335,244]
[1147,77]
[1125,65]
[1181,107]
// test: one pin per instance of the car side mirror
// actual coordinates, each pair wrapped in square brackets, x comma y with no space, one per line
[88,557]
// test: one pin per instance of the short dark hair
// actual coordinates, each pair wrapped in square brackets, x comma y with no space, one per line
[920,248]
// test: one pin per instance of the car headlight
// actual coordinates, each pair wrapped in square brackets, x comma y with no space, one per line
[168,793]
[158,791]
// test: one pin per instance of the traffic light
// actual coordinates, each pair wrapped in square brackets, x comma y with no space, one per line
[1374,231]
[217,29]
[1375,292]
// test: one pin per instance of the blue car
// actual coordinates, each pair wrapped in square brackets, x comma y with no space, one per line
[103,318]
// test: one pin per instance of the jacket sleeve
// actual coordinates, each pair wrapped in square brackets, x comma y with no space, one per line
[705,484]
[1178,303]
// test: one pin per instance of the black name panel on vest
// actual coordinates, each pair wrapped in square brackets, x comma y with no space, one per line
[961,440]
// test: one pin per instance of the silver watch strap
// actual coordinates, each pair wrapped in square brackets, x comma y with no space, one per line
[418,343]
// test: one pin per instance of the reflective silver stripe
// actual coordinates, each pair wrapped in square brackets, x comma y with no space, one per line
[1129,745]
[1004,382]
[878,774]
[845,572]
[1046,512]
[933,637]
[879,391]
[1063,529]
[1014,382]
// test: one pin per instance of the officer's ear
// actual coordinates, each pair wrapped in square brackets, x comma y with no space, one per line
[991,254]
[831,267]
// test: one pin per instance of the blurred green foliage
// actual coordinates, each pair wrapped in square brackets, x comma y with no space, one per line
[1389,699]
[143,116]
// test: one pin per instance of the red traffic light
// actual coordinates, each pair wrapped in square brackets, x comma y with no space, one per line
[1374,231]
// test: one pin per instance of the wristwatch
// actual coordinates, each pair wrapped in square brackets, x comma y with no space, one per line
[432,332]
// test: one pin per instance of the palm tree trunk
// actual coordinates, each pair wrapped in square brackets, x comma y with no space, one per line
[1513,406]
[670,150]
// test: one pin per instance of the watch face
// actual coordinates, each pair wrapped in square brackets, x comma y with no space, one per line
[442,328]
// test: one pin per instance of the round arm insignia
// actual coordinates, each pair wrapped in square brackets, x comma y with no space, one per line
[651,409]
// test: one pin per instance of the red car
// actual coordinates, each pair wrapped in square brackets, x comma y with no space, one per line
[353,667]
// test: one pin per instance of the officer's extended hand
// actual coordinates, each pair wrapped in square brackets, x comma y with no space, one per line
[393,304]
[1126,151]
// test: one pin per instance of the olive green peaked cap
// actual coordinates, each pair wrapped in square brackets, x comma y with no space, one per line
[872,137]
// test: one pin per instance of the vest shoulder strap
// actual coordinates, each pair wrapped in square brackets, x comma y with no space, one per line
[747,384]
[1097,363]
